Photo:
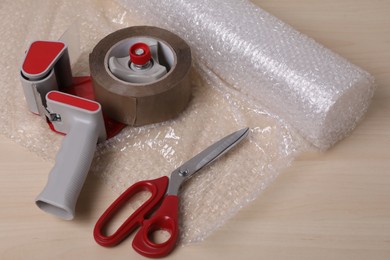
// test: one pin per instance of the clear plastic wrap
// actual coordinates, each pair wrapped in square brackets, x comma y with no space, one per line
[250,70]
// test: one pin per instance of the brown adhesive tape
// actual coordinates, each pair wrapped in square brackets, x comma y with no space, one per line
[140,104]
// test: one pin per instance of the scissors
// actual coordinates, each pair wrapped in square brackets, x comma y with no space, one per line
[164,200]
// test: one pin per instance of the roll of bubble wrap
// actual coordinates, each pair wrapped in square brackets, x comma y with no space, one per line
[314,90]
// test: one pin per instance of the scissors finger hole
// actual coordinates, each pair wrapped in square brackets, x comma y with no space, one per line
[160,231]
[159,236]
[126,210]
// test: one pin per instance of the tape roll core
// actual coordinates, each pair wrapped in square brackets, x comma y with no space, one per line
[141,104]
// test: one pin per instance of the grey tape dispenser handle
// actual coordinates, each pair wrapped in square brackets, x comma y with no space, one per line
[45,69]
[84,127]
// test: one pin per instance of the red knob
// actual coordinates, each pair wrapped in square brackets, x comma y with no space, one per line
[140,53]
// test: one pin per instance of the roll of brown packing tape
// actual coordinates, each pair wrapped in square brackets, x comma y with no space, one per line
[141,95]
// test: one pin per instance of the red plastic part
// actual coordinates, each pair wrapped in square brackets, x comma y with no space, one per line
[140,59]
[81,87]
[73,101]
[156,187]
[52,128]
[165,218]
[40,56]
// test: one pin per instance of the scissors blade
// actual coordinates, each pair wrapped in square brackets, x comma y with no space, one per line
[207,156]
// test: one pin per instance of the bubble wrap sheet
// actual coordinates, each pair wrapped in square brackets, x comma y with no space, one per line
[250,70]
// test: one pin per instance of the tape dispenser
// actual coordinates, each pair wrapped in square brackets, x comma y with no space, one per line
[46,70]
[140,75]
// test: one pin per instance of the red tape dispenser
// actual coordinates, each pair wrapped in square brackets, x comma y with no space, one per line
[66,103]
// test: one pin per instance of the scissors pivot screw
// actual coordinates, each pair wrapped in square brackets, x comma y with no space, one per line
[183,173]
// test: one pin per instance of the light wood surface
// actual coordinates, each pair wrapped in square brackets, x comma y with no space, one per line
[333,205]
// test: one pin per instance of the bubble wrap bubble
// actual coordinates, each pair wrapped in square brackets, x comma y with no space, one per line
[250,70]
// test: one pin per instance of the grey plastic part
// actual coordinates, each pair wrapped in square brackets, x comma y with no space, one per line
[35,91]
[121,68]
[84,129]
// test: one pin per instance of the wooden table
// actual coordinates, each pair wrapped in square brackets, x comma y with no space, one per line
[333,205]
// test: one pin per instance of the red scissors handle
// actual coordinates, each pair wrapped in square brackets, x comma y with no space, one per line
[156,187]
